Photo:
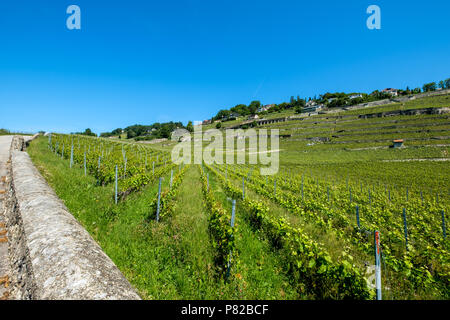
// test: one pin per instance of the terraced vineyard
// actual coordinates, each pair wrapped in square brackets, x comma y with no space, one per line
[305,233]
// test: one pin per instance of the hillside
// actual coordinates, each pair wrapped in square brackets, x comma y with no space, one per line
[330,165]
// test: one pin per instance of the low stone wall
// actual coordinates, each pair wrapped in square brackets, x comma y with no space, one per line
[52,255]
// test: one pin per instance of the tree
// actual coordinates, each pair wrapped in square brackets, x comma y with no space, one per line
[218,125]
[190,127]
[429,87]
[130,134]
[240,109]
[88,132]
[447,83]
[253,106]
[298,109]
[441,84]
[300,102]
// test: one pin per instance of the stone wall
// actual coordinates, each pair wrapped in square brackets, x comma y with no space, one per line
[51,255]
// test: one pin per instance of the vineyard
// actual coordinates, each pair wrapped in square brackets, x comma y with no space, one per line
[227,232]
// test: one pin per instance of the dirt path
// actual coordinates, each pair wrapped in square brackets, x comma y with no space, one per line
[5,143]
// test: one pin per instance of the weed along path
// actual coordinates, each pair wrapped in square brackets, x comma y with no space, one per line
[5,144]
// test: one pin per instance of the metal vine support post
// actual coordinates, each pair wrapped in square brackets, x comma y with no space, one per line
[233,215]
[71,157]
[444,231]
[171,178]
[243,188]
[405,227]
[377,263]
[125,168]
[85,163]
[115,187]
[357,217]
[302,186]
[207,182]
[159,200]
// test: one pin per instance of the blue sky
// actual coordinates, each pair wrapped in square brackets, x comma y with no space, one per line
[148,61]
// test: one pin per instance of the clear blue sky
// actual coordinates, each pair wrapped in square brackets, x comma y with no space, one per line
[148,61]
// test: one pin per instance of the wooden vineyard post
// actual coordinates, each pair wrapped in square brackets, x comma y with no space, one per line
[243,188]
[153,170]
[377,264]
[99,161]
[275,188]
[85,163]
[171,178]
[62,153]
[207,182]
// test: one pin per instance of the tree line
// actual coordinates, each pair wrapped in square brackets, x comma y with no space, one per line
[328,100]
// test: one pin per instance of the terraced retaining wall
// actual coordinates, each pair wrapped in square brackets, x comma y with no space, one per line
[52,255]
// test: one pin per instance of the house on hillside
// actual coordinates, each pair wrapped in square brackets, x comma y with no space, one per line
[265,108]
[391,91]
[398,143]
[354,96]
[205,122]
[253,117]
[311,103]
[313,108]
